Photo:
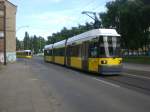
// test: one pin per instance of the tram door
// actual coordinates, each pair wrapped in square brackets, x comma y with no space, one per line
[68,55]
[84,54]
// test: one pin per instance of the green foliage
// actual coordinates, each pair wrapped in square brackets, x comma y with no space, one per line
[36,44]
[137,59]
[66,33]
[18,44]
[131,18]
[26,41]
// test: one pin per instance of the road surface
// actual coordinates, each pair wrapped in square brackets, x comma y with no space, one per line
[85,92]
[76,91]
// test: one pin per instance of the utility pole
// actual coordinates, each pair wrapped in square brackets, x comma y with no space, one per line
[93,15]
[5,36]
[3,29]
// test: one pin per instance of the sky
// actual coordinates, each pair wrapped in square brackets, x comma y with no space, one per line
[44,17]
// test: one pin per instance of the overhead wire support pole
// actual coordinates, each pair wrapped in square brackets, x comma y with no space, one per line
[89,16]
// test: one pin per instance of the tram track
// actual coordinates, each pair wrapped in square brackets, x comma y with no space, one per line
[76,88]
[131,81]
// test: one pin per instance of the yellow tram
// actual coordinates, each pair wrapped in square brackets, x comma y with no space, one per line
[96,50]
[24,54]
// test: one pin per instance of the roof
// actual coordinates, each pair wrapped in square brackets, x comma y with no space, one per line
[24,51]
[48,46]
[92,34]
[84,37]
[10,3]
[60,44]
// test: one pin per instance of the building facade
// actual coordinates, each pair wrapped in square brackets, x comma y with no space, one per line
[7,31]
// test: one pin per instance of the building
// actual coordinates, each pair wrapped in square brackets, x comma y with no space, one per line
[7,31]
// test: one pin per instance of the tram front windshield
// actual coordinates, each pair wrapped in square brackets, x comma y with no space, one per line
[109,46]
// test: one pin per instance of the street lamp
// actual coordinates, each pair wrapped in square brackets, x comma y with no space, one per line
[21,28]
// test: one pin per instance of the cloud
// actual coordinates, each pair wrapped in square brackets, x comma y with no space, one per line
[45,24]
[53,19]
[45,17]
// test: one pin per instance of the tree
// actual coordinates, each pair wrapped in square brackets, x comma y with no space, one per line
[131,19]
[18,44]
[41,44]
[67,33]
[26,41]
[35,45]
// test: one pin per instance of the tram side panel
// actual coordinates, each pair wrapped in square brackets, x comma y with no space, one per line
[93,56]
[59,56]
[73,56]
[27,55]
[48,55]
[78,57]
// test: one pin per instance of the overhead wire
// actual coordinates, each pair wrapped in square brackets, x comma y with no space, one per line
[88,5]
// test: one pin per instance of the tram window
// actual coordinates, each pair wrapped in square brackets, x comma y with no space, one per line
[50,52]
[59,52]
[112,46]
[111,51]
[80,50]
[75,50]
[29,53]
[45,52]
[102,51]
[55,52]
[101,45]
[93,49]
[68,50]
[26,53]
[72,51]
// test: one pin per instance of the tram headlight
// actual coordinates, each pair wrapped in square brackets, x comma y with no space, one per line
[104,62]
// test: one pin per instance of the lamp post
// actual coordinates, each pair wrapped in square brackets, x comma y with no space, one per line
[18,29]
[21,28]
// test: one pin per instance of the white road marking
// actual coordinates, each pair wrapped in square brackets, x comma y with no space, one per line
[108,83]
[142,77]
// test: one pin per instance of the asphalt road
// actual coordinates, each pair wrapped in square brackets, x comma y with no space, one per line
[86,92]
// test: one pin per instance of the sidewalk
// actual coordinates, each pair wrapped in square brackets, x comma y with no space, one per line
[138,67]
[21,91]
